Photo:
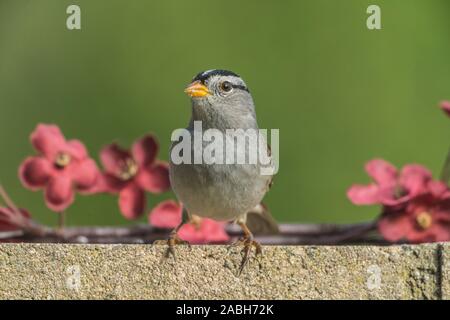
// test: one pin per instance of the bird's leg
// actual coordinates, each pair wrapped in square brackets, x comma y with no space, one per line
[248,242]
[174,239]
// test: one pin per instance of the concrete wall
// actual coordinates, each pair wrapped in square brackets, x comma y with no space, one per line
[78,271]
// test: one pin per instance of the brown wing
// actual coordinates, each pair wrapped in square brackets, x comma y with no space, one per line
[261,222]
[270,182]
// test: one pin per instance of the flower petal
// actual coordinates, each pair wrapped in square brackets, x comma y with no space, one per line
[382,172]
[5,218]
[34,172]
[48,140]
[215,231]
[132,201]
[155,179]
[189,232]
[442,216]
[364,195]
[421,236]
[414,178]
[209,231]
[59,193]
[76,149]
[8,216]
[145,150]
[388,197]
[441,231]
[112,184]
[84,173]
[105,183]
[167,215]
[438,189]
[445,106]
[113,158]
[394,226]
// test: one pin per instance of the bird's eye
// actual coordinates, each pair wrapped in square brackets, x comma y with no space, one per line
[226,86]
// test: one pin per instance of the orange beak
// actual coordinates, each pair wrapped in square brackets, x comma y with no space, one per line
[196,90]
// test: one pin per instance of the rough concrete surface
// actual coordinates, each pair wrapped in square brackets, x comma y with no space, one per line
[444,256]
[79,271]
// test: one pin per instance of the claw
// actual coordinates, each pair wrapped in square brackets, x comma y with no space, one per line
[160,242]
[235,244]
[248,244]
[173,240]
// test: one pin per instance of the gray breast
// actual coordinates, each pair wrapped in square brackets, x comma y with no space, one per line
[219,191]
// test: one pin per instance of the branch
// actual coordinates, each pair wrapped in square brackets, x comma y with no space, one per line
[290,234]
[31,231]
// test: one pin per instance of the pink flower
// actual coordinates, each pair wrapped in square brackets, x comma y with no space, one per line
[390,187]
[425,218]
[131,173]
[60,168]
[11,220]
[445,106]
[167,215]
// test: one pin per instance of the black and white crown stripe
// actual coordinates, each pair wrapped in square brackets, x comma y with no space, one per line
[205,75]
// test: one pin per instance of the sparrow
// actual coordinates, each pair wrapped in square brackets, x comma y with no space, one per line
[221,100]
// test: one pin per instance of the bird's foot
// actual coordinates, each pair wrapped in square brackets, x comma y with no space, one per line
[173,240]
[248,244]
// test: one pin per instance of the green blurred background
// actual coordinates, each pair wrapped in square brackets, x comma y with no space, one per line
[339,93]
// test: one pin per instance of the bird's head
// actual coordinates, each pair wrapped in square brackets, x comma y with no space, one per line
[222,98]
